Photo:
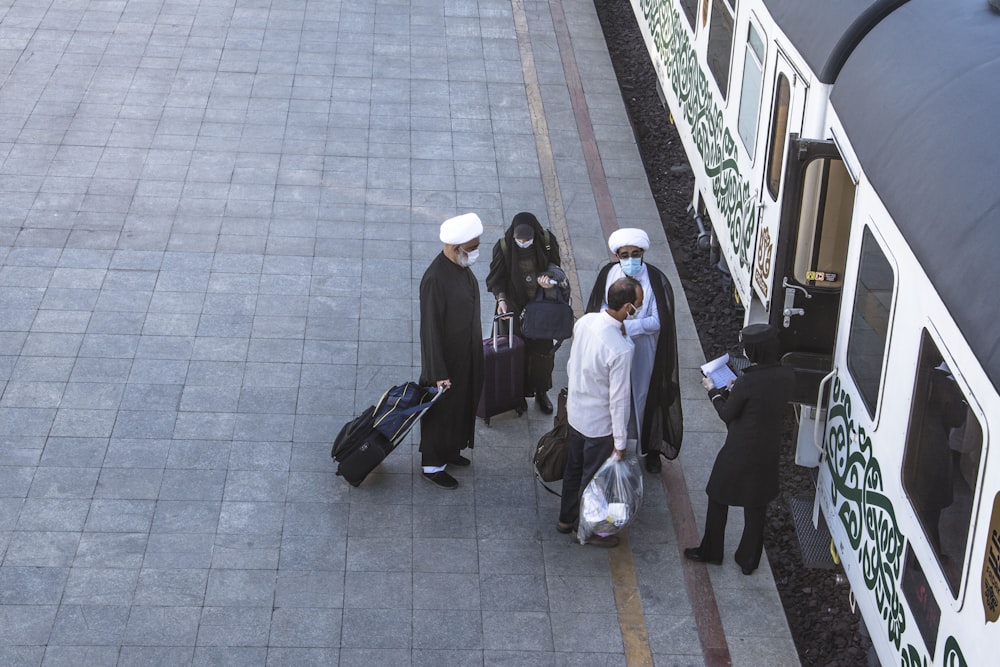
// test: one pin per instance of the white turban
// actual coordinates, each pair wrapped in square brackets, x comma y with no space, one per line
[461,228]
[628,236]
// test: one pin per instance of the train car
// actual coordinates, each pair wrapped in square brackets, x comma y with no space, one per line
[847,165]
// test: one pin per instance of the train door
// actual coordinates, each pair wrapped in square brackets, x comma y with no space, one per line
[810,257]
[788,97]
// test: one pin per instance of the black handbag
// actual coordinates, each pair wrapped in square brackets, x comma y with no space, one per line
[548,317]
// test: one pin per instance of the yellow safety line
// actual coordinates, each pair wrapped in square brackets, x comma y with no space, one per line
[546,161]
[631,618]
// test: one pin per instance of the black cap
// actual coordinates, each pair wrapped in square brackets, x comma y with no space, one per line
[524,231]
[757,333]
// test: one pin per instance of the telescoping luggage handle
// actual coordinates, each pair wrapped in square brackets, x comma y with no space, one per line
[510,332]
[403,418]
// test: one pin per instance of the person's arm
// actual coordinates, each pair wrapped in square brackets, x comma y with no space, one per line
[498,278]
[432,335]
[620,373]
[645,325]
[729,402]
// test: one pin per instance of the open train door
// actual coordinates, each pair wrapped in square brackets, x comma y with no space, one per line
[810,257]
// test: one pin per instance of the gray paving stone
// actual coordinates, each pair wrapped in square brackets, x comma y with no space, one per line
[234,626]
[90,624]
[120,516]
[162,626]
[41,549]
[446,629]
[98,656]
[31,585]
[26,625]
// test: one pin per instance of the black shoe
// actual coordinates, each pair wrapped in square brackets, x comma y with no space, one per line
[543,402]
[653,463]
[694,554]
[565,528]
[747,570]
[461,462]
[441,479]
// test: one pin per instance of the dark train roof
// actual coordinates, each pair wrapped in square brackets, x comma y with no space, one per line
[919,99]
[815,27]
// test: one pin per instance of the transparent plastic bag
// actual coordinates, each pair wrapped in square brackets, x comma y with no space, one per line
[611,500]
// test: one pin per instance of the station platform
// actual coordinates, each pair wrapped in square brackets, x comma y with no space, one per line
[214,217]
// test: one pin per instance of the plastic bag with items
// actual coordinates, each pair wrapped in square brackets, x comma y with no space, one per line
[611,500]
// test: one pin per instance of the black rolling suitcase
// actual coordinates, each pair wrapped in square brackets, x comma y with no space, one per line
[365,441]
[503,366]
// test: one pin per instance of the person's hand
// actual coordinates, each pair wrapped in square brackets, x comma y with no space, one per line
[729,385]
[619,454]
[545,282]
[707,383]
[502,307]
[443,385]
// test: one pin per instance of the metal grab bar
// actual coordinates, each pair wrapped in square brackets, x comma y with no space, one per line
[817,440]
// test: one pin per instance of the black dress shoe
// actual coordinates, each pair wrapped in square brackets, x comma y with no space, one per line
[441,479]
[747,570]
[653,463]
[543,402]
[461,462]
[694,554]
[565,528]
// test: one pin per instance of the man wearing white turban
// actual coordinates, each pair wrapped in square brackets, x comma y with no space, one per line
[451,349]
[656,419]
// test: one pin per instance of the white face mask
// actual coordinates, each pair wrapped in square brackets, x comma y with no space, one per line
[524,244]
[467,258]
[632,315]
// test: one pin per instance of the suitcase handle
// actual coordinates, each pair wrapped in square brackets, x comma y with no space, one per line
[510,334]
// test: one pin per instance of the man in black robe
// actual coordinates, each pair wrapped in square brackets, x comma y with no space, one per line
[451,349]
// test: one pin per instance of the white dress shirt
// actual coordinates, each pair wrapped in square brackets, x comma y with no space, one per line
[599,368]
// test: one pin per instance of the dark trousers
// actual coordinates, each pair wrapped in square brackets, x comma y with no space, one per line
[751,543]
[538,364]
[584,458]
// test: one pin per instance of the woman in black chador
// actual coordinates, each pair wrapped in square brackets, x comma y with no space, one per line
[524,260]
[745,473]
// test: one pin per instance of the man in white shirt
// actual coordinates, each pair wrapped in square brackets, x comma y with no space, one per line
[597,404]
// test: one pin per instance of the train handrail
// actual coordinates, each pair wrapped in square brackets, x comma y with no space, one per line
[817,441]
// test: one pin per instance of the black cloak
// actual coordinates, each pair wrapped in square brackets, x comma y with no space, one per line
[451,347]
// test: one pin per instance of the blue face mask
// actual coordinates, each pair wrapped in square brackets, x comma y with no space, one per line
[630,266]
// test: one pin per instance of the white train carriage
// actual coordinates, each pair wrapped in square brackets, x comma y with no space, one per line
[847,156]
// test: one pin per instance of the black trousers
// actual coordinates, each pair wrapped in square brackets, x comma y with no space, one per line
[538,364]
[585,457]
[751,543]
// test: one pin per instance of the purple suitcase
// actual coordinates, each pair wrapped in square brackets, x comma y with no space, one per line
[503,377]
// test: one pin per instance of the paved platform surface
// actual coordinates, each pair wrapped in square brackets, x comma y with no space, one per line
[214,215]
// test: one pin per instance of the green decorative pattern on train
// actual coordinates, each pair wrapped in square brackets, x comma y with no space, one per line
[734,197]
[867,515]
[869,521]
[953,656]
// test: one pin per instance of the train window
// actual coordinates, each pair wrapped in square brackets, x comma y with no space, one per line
[720,43]
[779,127]
[824,223]
[753,75]
[690,10]
[944,446]
[870,320]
